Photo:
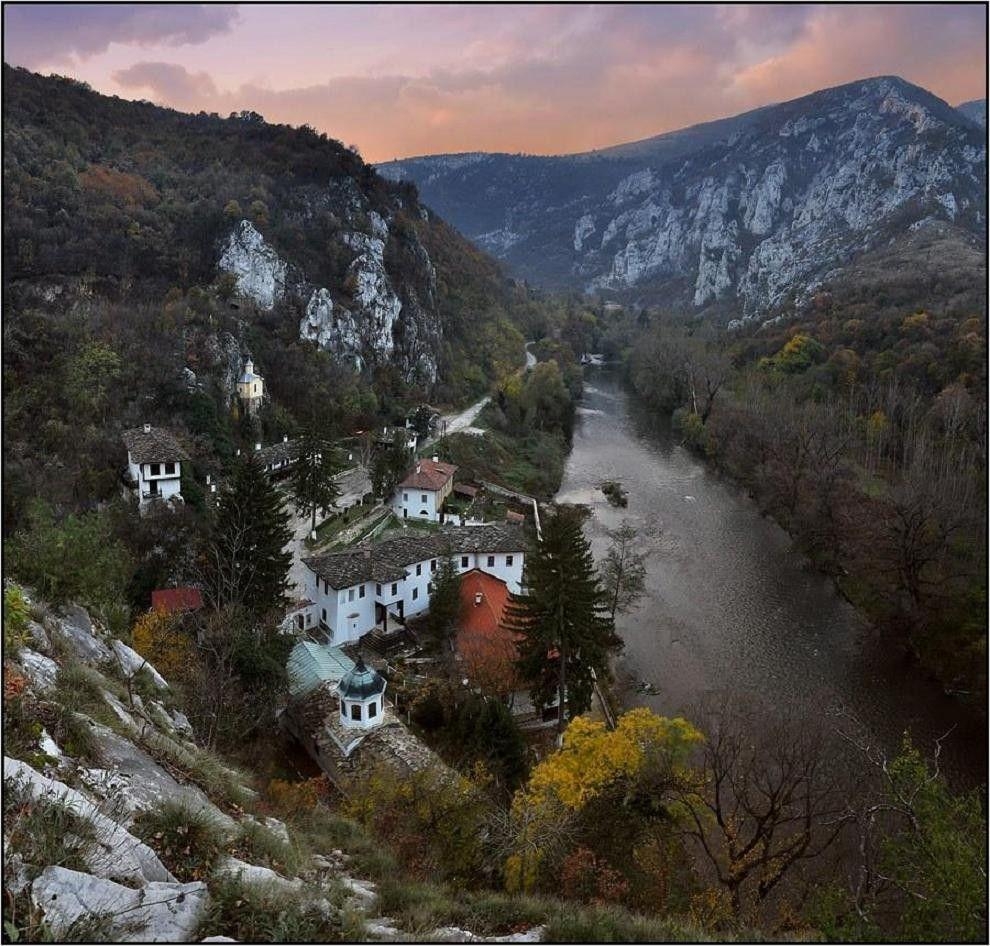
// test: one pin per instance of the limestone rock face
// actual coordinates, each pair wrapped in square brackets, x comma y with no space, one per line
[740,212]
[131,662]
[260,272]
[156,913]
[76,629]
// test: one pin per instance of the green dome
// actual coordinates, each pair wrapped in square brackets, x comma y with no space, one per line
[361,682]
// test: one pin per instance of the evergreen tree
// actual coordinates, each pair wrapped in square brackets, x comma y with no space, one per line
[389,464]
[445,600]
[245,562]
[563,617]
[312,481]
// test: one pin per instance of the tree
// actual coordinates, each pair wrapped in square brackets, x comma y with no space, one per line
[388,465]
[312,482]
[623,572]
[244,561]
[482,729]
[767,800]
[562,617]
[922,873]
[445,601]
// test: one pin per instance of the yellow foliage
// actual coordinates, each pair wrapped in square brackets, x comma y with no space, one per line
[591,757]
[158,638]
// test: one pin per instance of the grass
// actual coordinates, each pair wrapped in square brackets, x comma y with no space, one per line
[254,913]
[45,832]
[321,831]
[188,843]
[257,844]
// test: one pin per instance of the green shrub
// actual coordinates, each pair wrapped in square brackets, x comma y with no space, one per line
[260,845]
[188,843]
[16,615]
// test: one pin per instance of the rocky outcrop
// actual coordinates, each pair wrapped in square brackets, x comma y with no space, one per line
[156,913]
[260,272]
[740,212]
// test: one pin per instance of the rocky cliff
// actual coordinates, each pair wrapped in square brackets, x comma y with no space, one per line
[738,213]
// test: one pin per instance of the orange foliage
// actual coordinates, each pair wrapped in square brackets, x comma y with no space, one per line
[119,186]
[589,878]
[159,638]
[295,798]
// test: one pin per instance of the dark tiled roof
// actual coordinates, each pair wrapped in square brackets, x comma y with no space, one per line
[152,446]
[360,682]
[286,451]
[386,561]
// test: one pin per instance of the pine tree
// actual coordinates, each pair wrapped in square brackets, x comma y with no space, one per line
[245,562]
[562,615]
[312,482]
[445,601]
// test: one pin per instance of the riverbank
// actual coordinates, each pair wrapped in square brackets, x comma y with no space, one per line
[730,606]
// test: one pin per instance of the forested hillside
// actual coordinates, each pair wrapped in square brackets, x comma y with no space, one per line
[146,251]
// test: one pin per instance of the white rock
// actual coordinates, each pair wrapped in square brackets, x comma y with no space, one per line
[41,671]
[182,724]
[130,662]
[260,272]
[76,628]
[157,913]
[255,874]
[363,890]
[48,745]
[117,852]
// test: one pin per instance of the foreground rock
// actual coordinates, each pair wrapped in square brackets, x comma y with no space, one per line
[156,913]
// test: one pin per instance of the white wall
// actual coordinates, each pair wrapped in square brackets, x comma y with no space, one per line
[510,574]
[169,484]
[408,503]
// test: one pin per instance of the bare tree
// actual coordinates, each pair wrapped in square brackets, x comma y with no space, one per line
[623,574]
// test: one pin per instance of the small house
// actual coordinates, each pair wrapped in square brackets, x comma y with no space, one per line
[154,465]
[423,492]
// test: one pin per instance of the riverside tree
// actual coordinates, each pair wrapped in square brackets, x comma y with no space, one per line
[312,483]
[623,572]
[244,560]
[562,617]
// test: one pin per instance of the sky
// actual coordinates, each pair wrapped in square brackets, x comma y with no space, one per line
[411,79]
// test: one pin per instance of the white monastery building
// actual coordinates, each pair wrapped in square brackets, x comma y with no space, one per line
[154,462]
[422,493]
[361,589]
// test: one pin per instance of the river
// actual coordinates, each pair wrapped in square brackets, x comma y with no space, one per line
[730,607]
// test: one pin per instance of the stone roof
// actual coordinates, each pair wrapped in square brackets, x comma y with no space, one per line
[360,682]
[386,561]
[152,445]
[429,474]
[284,450]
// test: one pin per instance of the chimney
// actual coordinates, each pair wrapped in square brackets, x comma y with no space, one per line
[213,487]
[257,446]
[238,451]
[384,431]
[285,438]
[436,458]
[207,479]
[478,596]
[419,467]
[147,428]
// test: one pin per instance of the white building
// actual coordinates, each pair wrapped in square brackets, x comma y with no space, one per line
[422,493]
[357,590]
[154,464]
[362,697]
[250,388]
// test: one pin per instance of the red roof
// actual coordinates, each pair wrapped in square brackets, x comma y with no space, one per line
[171,600]
[430,474]
[486,646]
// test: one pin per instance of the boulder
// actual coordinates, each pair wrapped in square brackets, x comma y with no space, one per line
[117,852]
[41,671]
[39,636]
[76,629]
[131,662]
[255,875]
[181,723]
[157,913]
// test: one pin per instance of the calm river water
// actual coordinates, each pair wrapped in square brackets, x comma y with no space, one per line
[730,606]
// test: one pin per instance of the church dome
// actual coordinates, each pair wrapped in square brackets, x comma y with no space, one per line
[361,682]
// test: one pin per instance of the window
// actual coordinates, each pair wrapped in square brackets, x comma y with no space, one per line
[326,587]
[419,569]
[415,593]
[422,498]
[508,561]
[170,469]
[372,710]
[300,620]
[154,469]
[355,710]
[378,590]
[433,565]
[350,594]
[324,615]
[361,592]
[405,497]
[464,561]
[491,561]
[395,589]
[343,711]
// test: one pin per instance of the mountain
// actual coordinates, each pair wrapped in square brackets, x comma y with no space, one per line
[140,199]
[736,214]
[975,110]
[147,251]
